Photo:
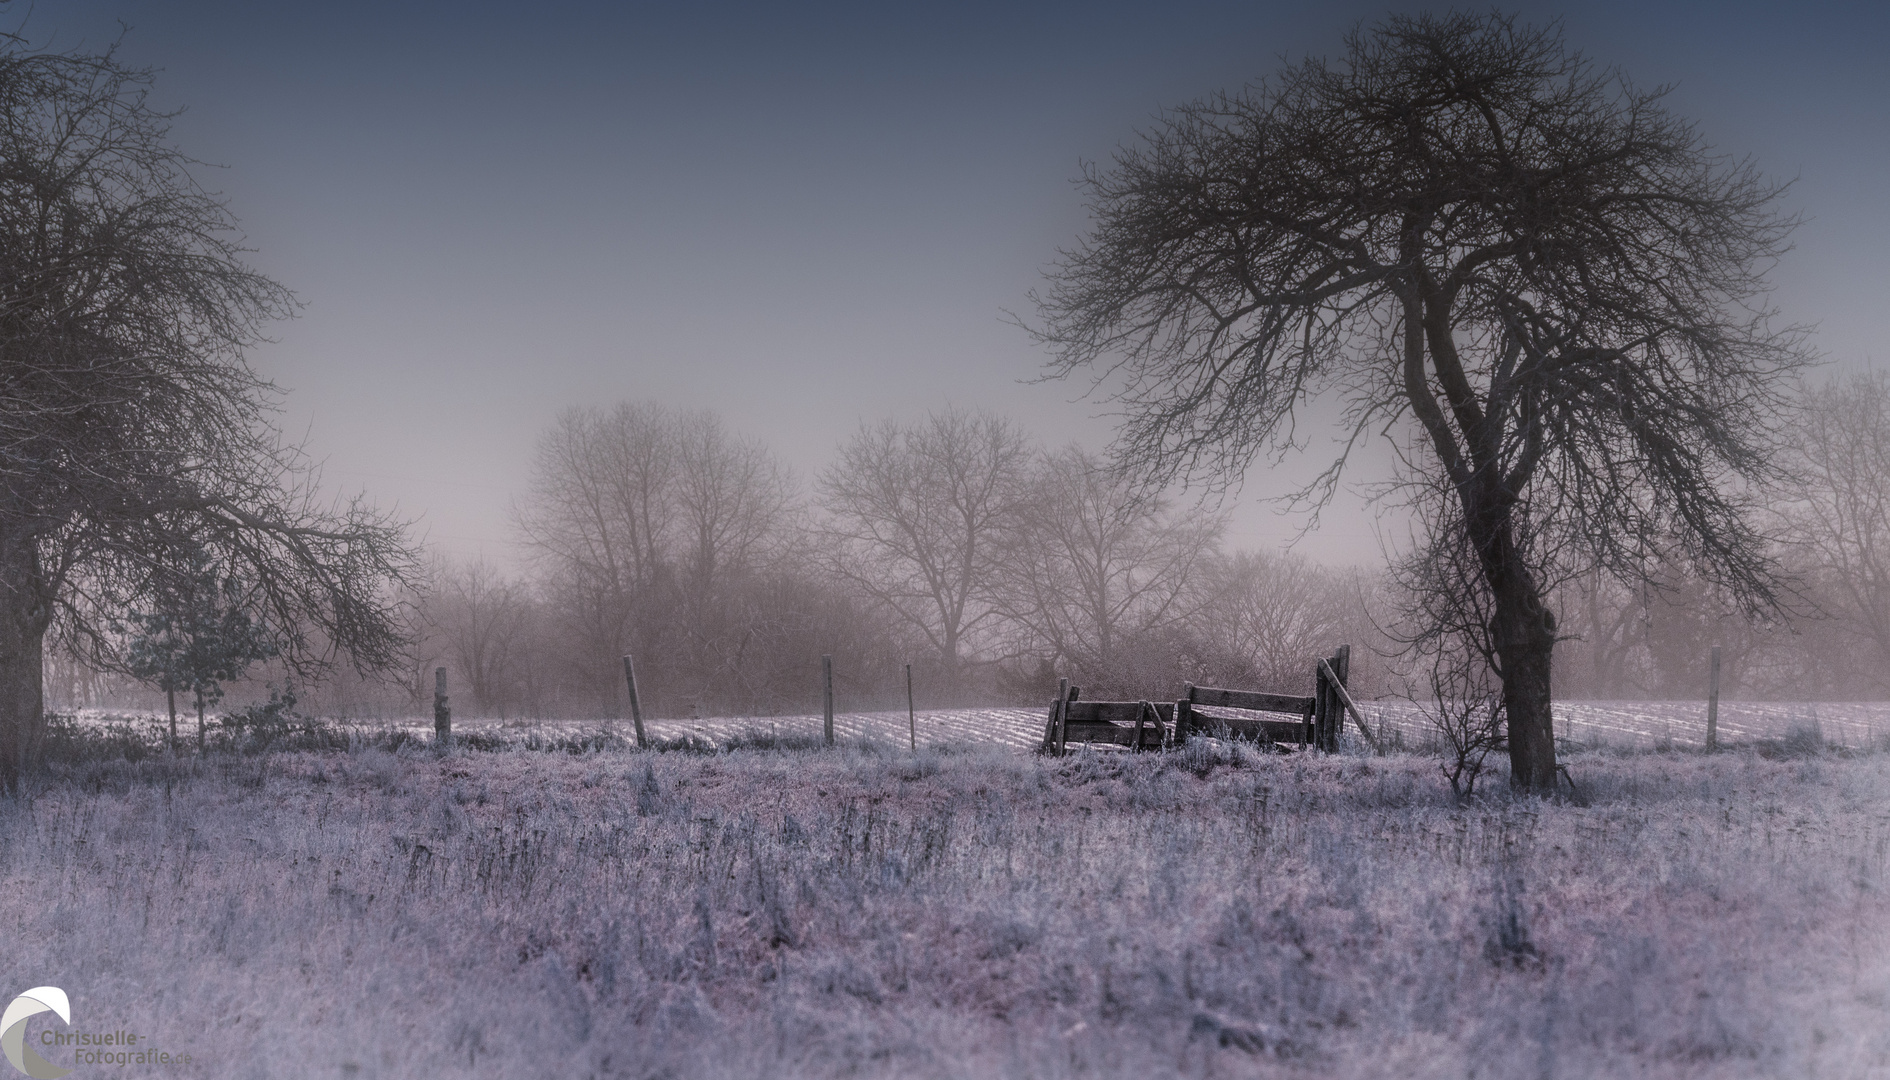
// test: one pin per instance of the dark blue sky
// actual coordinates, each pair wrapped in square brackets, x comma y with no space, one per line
[803,218]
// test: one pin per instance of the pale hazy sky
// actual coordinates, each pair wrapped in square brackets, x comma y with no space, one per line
[806,216]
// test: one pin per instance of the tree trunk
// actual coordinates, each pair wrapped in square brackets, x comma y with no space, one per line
[170,699]
[200,721]
[24,615]
[1524,636]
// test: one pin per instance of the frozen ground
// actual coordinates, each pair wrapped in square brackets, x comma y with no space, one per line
[1215,912]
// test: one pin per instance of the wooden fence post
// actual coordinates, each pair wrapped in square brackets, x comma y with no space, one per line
[636,708]
[1063,716]
[826,691]
[1712,704]
[912,718]
[1056,711]
[1184,716]
[1346,704]
[1321,707]
[442,715]
[1328,719]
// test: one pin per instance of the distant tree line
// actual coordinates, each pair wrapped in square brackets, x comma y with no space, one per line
[992,565]
[1829,529]
[995,566]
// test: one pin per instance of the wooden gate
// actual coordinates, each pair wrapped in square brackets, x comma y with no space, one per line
[1319,719]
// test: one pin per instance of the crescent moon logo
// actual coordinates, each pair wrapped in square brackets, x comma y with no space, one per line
[13,1030]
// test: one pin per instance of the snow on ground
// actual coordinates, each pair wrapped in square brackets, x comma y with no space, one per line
[1631,724]
[1683,723]
[1020,728]
[1642,724]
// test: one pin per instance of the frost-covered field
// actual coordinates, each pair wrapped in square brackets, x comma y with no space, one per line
[979,912]
[1017,728]
[1581,724]
[1653,724]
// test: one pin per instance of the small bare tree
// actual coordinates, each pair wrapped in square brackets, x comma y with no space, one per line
[1445,630]
[483,617]
[1465,711]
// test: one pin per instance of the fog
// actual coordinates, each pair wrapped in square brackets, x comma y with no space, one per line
[805,220]
[806,224]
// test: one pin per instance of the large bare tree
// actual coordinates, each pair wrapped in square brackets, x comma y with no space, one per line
[734,502]
[1463,226]
[133,434]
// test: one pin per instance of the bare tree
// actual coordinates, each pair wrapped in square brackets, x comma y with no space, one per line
[734,503]
[1604,622]
[1445,626]
[599,517]
[1465,710]
[1842,519]
[425,647]
[1273,614]
[915,518]
[1091,571]
[483,617]
[651,527]
[1463,226]
[132,431]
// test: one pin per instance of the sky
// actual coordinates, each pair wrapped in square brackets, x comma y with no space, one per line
[809,217]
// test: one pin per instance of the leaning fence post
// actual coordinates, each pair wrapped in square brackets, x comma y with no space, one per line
[442,715]
[636,709]
[826,698]
[1712,704]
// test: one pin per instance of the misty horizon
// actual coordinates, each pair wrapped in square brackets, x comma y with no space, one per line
[804,223]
